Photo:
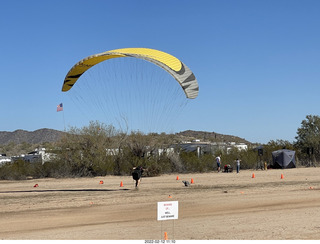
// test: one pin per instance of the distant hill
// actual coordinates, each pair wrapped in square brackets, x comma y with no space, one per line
[210,136]
[50,135]
[32,137]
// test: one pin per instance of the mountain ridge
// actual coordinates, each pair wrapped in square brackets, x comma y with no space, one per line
[50,135]
[211,136]
[33,137]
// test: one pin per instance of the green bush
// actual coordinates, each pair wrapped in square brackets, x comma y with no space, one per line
[20,170]
[83,153]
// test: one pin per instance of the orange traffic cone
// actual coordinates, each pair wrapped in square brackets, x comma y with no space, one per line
[165,235]
[177,178]
[192,181]
[253,176]
[121,184]
[101,182]
[282,176]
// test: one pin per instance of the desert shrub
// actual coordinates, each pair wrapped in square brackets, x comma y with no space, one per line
[193,163]
[20,170]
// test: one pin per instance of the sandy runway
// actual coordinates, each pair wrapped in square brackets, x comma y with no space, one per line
[226,206]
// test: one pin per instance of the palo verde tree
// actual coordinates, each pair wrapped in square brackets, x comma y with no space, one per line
[149,151]
[82,152]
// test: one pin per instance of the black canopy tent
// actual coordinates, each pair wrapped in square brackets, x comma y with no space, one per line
[283,159]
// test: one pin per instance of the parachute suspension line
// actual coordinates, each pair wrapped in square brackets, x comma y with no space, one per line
[154,97]
[149,79]
[159,112]
[142,96]
[131,94]
[172,109]
[86,96]
[77,100]
[146,94]
[161,106]
[113,93]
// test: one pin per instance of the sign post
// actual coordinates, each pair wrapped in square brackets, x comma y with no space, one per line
[168,210]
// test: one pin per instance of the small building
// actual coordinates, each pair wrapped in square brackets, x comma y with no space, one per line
[39,155]
[4,159]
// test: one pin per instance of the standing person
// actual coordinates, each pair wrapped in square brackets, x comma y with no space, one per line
[218,160]
[136,174]
[238,165]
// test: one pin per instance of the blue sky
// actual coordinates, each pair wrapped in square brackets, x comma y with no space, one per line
[257,62]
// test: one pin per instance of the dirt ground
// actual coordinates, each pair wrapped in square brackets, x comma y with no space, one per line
[225,206]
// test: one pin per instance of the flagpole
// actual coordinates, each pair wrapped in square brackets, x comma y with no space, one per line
[60,108]
[64,122]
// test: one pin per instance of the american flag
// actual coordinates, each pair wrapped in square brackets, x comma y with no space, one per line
[59,107]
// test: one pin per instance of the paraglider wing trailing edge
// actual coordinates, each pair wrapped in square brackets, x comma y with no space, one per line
[169,63]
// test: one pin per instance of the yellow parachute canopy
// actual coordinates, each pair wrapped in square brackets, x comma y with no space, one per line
[169,63]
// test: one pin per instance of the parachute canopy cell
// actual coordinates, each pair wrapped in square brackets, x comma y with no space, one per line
[169,63]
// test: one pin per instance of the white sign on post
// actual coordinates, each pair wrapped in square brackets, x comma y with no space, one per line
[167,210]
